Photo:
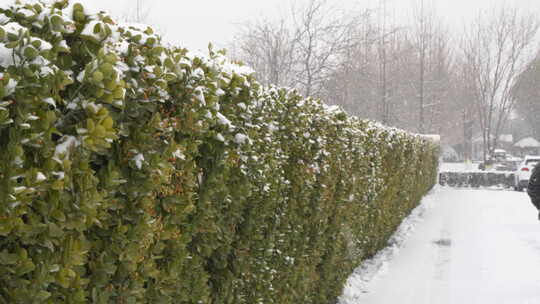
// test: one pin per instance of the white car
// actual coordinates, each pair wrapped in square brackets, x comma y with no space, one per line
[524,171]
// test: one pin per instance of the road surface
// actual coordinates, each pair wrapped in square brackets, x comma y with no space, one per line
[459,246]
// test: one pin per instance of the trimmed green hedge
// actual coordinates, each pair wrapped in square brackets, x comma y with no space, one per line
[132,172]
[477,179]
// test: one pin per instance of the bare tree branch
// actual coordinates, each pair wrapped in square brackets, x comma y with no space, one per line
[496,49]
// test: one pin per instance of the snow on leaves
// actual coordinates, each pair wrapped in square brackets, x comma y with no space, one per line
[109,132]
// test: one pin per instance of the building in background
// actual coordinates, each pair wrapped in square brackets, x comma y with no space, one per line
[527,146]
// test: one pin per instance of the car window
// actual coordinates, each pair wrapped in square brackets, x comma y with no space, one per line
[531,162]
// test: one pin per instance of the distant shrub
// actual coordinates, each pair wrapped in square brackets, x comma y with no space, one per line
[477,179]
[131,172]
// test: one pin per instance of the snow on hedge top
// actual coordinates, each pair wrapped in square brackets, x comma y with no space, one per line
[118,38]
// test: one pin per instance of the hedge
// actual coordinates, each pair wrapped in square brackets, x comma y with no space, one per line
[477,179]
[134,172]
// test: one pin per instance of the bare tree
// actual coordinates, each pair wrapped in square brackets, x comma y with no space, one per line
[351,82]
[459,111]
[496,49]
[138,12]
[422,29]
[527,96]
[431,43]
[268,47]
[321,33]
[412,77]
[368,76]
[383,62]
[301,53]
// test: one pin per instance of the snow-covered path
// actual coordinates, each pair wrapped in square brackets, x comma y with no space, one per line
[459,246]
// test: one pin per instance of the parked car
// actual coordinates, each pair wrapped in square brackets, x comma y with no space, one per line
[523,173]
[499,160]
[499,155]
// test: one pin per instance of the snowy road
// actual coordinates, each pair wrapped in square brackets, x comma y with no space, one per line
[459,246]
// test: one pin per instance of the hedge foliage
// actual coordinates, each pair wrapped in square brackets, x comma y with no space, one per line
[134,172]
[477,179]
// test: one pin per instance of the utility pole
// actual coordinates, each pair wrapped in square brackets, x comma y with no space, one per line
[384,97]
[422,65]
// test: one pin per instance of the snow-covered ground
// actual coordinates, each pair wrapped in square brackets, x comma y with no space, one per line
[458,246]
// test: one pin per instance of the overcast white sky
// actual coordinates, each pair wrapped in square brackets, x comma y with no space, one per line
[194,23]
